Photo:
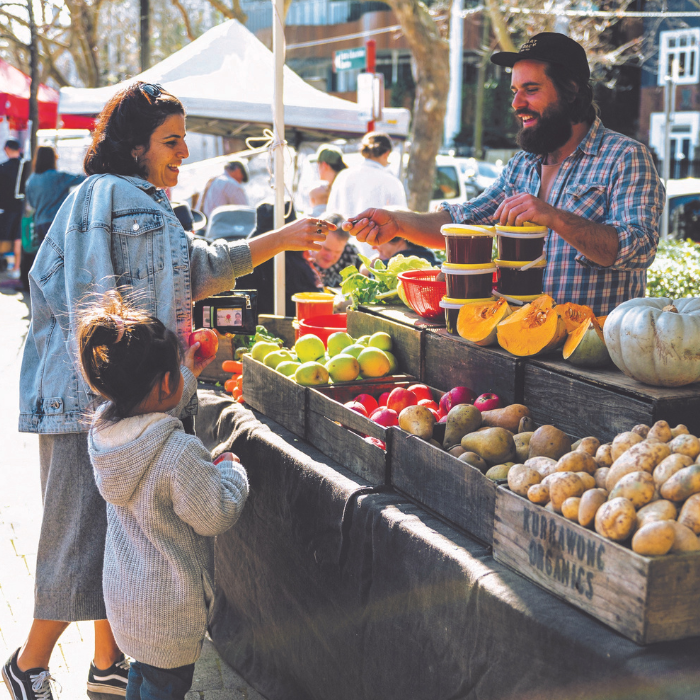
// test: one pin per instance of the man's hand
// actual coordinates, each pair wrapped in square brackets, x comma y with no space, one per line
[524,208]
[374,226]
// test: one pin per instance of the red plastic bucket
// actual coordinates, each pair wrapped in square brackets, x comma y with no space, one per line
[322,326]
[310,304]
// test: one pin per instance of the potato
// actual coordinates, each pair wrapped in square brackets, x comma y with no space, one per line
[576,462]
[616,519]
[544,465]
[589,445]
[456,451]
[538,493]
[522,446]
[655,511]
[641,429]
[520,478]
[563,485]
[603,456]
[643,456]
[549,441]
[623,442]
[685,540]
[587,480]
[600,476]
[669,466]
[588,507]
[690,513]
[686,445]
[680,429]
[569,508]
[637,487]
[661,430]
[654,539]
[682,484]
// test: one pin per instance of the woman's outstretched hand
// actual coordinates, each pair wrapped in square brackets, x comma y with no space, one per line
[304,234]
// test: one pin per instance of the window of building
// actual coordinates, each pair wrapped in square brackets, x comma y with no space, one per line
[682,45]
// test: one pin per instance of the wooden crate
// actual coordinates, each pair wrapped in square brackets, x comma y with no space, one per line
[451,361]
[603,402]
[281,326]
[647,599]
[449,487]
[407,340]
[333,428]
[402,314]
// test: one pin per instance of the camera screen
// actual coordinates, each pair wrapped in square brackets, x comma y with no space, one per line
[229,317]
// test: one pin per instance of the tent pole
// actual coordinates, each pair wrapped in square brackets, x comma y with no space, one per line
[278,50]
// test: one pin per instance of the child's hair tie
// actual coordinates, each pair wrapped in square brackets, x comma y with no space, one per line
[119,323]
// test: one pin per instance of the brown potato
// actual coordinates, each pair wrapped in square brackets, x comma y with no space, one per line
[669,466]
[603,456]
[587,480]
[682,484]
[563,485]
[680,429]
[544,465]
[643,456]
[686,445]
[577,462]
[549,441]
[616,519]
[600,476]
[456,451]
[589,445]
[539,494]
[641,429]
[685,540]
[520,478]
[655,511]
[638,487]
[569,508]
[623,442]
[654,539]
[690,513]
[588,507]
[661,430]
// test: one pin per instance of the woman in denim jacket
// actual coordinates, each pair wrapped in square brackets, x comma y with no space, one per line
[116,230]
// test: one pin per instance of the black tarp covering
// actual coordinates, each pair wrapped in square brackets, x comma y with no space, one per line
[329,589]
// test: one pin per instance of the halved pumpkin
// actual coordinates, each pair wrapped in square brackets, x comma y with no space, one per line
[534,329]
[477,322]
[585,346]
[574,314]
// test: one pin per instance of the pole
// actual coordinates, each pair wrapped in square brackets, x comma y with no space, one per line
[480,83]
[145,38]
[669,113]
[453,114]
[278,49]
[371,46]
[33,121]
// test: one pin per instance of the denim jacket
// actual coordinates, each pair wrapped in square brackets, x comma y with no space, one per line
[113,231]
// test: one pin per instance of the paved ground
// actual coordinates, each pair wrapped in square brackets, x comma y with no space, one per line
[20,518]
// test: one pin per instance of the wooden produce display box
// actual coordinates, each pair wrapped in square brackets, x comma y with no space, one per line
[647,599]
[603,402]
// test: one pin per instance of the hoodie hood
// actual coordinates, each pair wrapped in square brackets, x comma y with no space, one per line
[123,452]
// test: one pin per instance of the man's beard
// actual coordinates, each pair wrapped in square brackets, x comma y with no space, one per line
[552,131]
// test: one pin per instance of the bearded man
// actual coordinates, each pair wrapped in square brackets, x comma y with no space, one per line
[596,190]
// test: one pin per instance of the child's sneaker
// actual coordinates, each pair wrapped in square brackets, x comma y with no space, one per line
[112,680]
[33,684]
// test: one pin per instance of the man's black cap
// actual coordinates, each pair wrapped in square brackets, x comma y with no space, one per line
[552,48]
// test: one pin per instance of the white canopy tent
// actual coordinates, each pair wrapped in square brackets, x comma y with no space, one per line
[225,79]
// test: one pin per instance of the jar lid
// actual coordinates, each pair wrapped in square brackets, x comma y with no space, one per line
[528,229]
[516,264]
[312,297]
[508,234]
[525,298]
[457,269]
[450,303]
[467,230]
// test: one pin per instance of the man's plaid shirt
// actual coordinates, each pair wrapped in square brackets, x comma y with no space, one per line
[609,179]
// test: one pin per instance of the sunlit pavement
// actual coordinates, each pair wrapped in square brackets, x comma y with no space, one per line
[20,519]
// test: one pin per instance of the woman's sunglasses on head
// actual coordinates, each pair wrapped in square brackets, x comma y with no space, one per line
[151,90]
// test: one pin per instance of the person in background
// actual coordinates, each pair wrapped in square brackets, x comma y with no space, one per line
[227,188]
[10,206]
[330,163]
[47,188]
[398,245]
[335,255]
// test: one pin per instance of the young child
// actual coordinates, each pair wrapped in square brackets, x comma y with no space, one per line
[165,498]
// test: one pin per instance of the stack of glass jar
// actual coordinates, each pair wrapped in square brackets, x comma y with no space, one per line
[469,272]
[521,261]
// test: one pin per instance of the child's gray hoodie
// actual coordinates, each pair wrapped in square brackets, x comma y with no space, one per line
[165,502]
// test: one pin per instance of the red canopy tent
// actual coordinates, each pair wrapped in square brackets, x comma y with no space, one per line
[14,99]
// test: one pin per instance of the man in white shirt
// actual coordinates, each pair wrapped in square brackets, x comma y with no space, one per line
[227,188]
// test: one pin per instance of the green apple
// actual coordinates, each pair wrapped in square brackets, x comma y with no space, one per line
[309,348]
[274,358]
[363,340]
[337,342]
[373,362]
[263,348]
[380,340]
[288,368]
[311,374]
[343,368]
[394,365]
[353,350]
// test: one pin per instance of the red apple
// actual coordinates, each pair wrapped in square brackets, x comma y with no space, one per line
[460,394]
[429,403]
[434,412]
[385,417]
[401,398]
[369,402]
[208,343]
[375,441]
[487,402]
[421,391]
[443,419]
[358,407]
[381,401]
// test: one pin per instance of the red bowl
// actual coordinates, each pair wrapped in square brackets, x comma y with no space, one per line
[424,292]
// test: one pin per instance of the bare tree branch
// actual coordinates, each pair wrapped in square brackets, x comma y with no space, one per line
[186,19]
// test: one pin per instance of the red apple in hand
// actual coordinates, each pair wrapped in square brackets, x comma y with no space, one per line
[385,417]
[487,402]
[208,343]
[369,402]
[401,398]
[357,407]
[421,391]
[460,394]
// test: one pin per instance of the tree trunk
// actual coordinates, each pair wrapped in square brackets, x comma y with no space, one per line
[145,34]
[432,74]
[34,75]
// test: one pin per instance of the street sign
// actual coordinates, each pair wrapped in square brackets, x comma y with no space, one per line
[350,59]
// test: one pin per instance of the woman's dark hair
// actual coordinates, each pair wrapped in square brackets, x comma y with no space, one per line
[124,353]
[375,144]
[127,121]
[44,159]
[575,92]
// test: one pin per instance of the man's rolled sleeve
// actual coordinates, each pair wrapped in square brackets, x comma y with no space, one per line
[481,209]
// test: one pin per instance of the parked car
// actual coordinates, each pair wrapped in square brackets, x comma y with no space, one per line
[683,202]
[449,184]
[478,174]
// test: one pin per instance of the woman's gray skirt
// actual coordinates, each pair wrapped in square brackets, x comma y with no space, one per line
[73,528]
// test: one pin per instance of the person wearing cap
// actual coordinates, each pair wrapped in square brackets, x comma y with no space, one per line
[596,190]
[11,206]
[227,188]
[330,162]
